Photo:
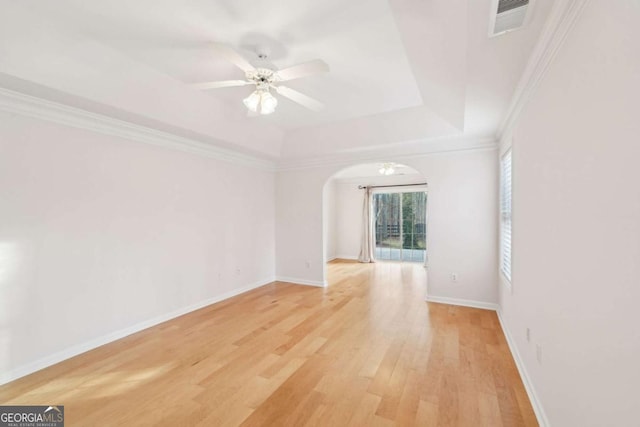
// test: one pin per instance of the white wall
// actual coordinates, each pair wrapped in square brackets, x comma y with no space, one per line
[299,226]
[576,224]
[348,222]
[462,223]
[329,213]
[98,234]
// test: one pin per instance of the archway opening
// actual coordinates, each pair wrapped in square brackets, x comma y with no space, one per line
[397,213]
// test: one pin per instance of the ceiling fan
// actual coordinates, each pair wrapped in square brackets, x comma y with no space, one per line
[265,76]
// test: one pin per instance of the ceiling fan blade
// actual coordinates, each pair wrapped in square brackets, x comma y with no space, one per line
[305,69]
[300,98]
[222,83]
[232,56]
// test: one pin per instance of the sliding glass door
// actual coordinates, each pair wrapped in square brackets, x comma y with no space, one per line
[400,221]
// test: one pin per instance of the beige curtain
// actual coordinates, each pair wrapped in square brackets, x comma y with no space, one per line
[368,237]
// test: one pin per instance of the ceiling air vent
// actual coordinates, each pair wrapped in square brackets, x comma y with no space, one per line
[508,15]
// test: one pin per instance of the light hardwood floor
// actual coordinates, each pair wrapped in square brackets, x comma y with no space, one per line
[366,351]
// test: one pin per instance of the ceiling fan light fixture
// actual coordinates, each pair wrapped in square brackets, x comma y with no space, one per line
[268,103]
[264,75]
[252,101]
[386,169]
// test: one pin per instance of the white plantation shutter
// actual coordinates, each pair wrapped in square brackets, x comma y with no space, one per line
[505,215]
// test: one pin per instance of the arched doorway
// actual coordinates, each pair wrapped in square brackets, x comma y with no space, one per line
[398,212]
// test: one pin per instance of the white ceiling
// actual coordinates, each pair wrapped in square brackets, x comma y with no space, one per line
[174,39]
[402,71]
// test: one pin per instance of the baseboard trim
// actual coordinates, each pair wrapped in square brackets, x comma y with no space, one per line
[347,257]
[526,380]
[301,281]
[463,302]
[524,375]
[342,257]
[78,349]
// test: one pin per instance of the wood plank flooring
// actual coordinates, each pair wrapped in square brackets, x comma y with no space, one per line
[366,351]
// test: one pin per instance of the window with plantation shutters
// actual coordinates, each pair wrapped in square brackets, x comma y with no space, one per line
[505,215]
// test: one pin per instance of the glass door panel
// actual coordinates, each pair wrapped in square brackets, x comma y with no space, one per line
[400,226]
[388,215]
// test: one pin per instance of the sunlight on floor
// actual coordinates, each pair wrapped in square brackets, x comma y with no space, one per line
[94,386]
[115,383]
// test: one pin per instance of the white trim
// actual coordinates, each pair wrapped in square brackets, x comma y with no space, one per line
[526,380]
[39,108]
[342,257]
[561,20]
[413,178]
[463,302]
[347,257]
[391,152]
[506,282]
[295,281]
[75,350]
[31,106]
[508,152]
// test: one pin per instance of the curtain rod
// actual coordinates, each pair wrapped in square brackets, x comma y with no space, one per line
[362,187]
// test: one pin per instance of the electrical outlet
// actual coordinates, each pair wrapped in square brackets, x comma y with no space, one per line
[307,264]
[539,353]
[454,277]
[528,335]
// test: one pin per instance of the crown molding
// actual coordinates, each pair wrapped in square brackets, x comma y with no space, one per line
[560,22]
[31,106]
[392,153]
[39,108]
[412,178]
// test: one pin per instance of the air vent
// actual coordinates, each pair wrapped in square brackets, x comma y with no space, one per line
[507,5]
[508,15]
